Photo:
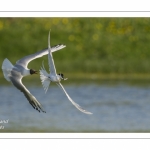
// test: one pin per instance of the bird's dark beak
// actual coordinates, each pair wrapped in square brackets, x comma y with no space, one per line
[36,72]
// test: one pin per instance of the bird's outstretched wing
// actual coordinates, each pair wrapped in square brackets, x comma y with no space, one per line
[51,64]
[25,60]
[16,80]
[75,104]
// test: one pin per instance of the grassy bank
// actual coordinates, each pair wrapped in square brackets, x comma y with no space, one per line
[92,78]
[107,47]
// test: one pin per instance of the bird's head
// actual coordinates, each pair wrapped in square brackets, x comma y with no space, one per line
[62,76]
[33,71]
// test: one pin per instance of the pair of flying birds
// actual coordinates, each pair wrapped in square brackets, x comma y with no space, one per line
[14,74]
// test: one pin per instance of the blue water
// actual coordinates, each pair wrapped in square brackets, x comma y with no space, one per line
[116,108]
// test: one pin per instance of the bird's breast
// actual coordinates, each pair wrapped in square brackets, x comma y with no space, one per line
[55,78]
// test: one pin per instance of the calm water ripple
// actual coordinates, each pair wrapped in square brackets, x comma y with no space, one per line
[116,108]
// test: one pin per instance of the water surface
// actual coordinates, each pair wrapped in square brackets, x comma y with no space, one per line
[116,107]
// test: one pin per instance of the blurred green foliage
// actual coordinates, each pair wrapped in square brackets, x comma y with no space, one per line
[93,45]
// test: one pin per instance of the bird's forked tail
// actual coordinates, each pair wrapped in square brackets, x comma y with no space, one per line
[7,67]
[44,78]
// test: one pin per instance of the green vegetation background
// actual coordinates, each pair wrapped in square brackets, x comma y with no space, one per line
[94,46]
